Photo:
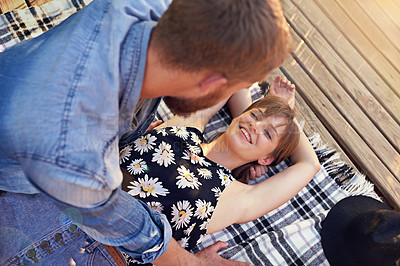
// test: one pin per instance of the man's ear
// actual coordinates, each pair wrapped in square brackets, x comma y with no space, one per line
[211,81]
[266,160]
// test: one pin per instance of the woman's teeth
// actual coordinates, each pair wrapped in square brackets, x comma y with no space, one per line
[246,134]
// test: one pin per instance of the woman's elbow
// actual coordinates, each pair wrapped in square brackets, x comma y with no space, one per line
[316,166]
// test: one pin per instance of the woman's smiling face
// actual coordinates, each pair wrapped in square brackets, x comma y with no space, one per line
[255,136]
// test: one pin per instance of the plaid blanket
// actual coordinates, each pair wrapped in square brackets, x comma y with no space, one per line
[19,25]
[288,235]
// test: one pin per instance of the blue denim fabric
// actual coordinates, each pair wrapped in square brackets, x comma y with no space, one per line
[67,97]
[49,238]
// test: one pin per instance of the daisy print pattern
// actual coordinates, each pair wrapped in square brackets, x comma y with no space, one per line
[184,242]
[146,186]
[217,192]
[168,175]
[190,229]
[194,149]
[195,138]
[204,173]
[163,155]
[181,214]
[162,131]
[124,154]
[203,209]
[137,166]
[144,143]
[204,225]
[156,206]
[187,179]
[194,158]
[225,179]
[201,238]
[180,132]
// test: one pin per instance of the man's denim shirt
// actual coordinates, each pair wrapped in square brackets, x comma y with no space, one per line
[67,98]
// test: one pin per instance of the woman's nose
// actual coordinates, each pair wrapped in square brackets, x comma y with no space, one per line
[254,126]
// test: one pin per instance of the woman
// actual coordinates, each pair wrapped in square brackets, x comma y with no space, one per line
[176,174]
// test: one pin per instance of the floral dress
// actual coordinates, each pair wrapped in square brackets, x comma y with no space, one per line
[171,174]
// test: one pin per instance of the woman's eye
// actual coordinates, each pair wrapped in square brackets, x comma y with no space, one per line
[254,116]
[267,134]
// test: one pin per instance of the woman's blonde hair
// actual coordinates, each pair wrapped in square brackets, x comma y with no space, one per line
[288,141]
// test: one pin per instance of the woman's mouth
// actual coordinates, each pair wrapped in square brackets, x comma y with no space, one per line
[245,134]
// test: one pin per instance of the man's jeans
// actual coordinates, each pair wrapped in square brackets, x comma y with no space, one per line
[50,238]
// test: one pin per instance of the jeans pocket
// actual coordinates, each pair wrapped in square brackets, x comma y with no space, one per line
[104,255]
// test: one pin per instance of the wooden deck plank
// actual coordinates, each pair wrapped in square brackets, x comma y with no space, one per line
[344,134]
[344,76]
[386,16]
[362,15]
[8,5]
[351,112]
[343,47]
[349,108]
[324,81]
[370,54]
[392,10]
[396,3]
[38,2]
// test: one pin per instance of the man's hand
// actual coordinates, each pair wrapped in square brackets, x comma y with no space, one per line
[209,256]
[154,124]
[176,255]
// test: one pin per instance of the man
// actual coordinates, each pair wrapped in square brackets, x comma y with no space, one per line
[71,95]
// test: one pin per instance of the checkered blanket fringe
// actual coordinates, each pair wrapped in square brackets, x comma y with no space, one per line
[288,235]
[347,178]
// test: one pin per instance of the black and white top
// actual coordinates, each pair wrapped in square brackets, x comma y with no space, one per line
[171,174]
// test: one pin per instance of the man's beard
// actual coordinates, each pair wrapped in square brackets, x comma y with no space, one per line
[184,107]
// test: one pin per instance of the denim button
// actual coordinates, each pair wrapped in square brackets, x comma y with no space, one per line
[58,237]
[31,253]
[46,246]
[72,228]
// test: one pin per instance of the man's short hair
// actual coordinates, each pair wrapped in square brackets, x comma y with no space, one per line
[242,39]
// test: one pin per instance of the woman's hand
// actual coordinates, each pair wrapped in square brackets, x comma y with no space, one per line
[257,171]
[285,89]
